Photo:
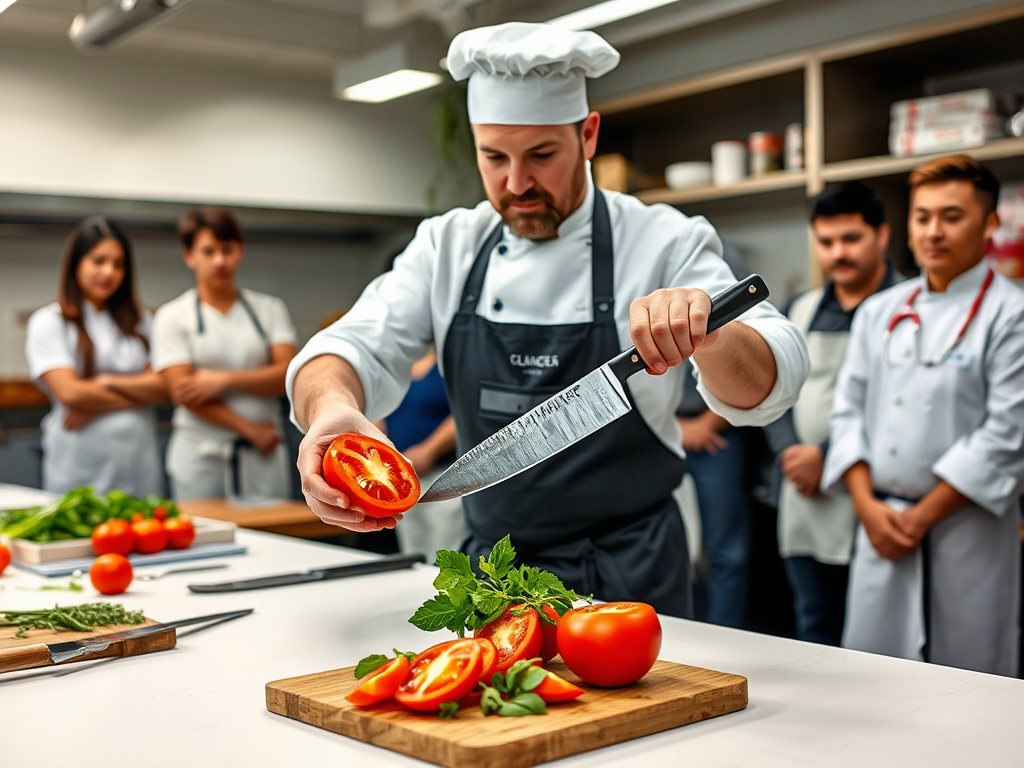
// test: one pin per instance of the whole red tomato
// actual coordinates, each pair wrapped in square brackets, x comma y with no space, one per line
[377,478]
[114,536]
[610,645]
[5,557]
[160,513]
[111,574]
[150,536]
[180,532]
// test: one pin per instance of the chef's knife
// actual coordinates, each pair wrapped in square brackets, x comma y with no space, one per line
[389,563]
[581,409]
[46,654]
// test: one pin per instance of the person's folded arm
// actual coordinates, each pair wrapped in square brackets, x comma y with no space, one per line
[207,384]
[85,395]
[146,387]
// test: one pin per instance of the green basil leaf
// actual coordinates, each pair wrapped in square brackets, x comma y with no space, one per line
[449,709]
[531,702]
[436,613]
[531,678]
[490,700]
[370,663]
[511,709]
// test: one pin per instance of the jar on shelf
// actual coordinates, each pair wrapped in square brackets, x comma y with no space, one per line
[765,150]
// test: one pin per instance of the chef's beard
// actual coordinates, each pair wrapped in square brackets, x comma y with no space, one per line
[543,223]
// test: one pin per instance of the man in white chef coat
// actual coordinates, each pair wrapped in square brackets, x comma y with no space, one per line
[927,434]
[537,286]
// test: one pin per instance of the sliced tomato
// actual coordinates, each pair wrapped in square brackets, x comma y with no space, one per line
[380,684]
[442,673]
[377,479]
[515,637]
[554,689]
[549,645]
[490,664]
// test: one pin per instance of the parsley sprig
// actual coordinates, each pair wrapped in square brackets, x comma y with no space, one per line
[467,601]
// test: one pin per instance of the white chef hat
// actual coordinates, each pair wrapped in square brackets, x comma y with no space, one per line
[528,74]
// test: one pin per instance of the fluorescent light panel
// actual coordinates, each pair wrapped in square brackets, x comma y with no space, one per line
[605,13]
[5,4]
[390,86]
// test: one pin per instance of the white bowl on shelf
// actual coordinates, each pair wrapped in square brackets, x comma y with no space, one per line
[688,175]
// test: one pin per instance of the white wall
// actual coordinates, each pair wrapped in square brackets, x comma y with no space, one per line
[94,126]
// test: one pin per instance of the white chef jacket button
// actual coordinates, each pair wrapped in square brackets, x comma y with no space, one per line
[898,401]
[892,451]
[502,250]
[497,305]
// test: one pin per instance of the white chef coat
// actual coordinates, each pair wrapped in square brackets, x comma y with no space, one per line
[198,452]
[962,422]
[115,450]
[401,313]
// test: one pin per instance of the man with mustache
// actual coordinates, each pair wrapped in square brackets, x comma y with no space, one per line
[816,531]
[542,283]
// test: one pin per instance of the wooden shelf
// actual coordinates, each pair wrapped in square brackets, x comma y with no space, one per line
[770,182]
[887,165]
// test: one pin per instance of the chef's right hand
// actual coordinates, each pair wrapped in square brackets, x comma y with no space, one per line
[881,524]
[329,504]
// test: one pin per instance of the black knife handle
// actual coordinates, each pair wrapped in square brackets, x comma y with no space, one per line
[725,307]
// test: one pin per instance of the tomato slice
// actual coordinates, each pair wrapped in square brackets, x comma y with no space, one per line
[490,662]
[442,673]
[549,645]
[515,637]
[554,689]
[380,684]
[377,478]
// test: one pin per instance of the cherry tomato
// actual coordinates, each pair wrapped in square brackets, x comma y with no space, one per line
[377,479]
[380,684]
[442,673]
[111,574]
[180,532]
[515,637]
[114,536]
[610,645]
[549,632]
[160,513]
[5,557]
[138,517]
[150,536]
[490,663]
[554,689]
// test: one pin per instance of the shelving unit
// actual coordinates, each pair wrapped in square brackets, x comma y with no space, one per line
[841,94]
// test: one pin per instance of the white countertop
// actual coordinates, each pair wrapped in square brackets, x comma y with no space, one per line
[203,704]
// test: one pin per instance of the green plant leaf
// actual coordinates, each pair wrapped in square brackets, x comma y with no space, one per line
[370,663]
[436,613]
[531,678]
[454,561]
[449,709]
[531,702]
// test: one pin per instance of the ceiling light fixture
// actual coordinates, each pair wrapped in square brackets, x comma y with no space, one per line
[387,74]
[116,21]
[605,13]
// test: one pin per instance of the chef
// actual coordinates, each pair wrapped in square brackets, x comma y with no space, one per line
[927,435]
[540,284]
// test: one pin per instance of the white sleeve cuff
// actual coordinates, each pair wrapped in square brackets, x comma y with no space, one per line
[977,479]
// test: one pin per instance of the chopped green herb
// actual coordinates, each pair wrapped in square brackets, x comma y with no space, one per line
[80,618]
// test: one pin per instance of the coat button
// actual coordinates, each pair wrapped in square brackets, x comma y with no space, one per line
[898,401]
[502,250]
[497,305]
[892,451]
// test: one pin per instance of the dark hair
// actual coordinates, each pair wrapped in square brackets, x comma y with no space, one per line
[220,221]
[121,305]
[849,197]
[959,168]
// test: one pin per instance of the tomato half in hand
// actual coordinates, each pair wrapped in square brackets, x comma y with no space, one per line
[610,645]
[180,532]
[554,689]
[380,684]
[442,673]
[515,637]
[377,478]
[549,632]
[111,574]
[150,536]
[114,536]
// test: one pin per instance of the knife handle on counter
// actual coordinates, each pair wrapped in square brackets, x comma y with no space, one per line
[725,307]
[379,565]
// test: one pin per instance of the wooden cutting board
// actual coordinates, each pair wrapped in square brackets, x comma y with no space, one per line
[669,696]
[30,652]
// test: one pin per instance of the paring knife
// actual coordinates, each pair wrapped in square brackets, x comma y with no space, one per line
[389,563]
[47,654]
[581,409]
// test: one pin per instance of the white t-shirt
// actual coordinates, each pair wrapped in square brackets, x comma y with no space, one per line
[229,342]
[115,450]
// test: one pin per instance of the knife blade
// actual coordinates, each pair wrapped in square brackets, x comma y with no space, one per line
[595,401]
[388,563]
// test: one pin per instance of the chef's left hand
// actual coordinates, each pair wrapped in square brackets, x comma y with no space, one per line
[201,386]
[669,325]
[802,465]
[914,523]
[74,420]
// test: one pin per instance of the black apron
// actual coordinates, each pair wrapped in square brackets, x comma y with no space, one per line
[600,515]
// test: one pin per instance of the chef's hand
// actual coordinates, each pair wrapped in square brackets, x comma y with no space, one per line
[329,504]
[201,386]
[264,437]
[669,325]
[882,525]
[74,420]
[802,465]
[701,433]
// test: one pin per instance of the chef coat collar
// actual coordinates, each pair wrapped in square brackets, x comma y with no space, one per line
[579,219]
[967,282]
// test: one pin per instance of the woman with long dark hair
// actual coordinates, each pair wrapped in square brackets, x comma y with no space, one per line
[89,351]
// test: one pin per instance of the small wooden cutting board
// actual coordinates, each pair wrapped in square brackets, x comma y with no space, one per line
[31,651]
[670,695]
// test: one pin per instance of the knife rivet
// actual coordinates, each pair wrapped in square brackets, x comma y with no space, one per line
[752,289]
[634,358]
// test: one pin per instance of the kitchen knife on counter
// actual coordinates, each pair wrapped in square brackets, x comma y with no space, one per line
[581,409]
[388,563]
[96,647]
